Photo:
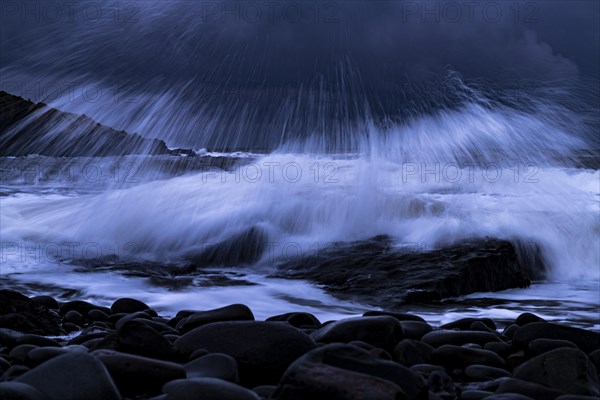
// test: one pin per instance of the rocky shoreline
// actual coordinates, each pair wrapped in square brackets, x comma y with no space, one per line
[78,350]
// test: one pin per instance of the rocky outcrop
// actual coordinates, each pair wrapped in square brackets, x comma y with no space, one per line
[34,128]
[374,272]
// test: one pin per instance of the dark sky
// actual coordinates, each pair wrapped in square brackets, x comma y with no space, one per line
[374,49]
[294,40]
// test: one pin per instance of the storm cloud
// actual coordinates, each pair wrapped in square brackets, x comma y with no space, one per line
[219,56]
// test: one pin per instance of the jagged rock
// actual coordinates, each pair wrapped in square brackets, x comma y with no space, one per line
[374,273]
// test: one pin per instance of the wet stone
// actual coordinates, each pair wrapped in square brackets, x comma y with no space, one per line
[211,388]
[485,373]
[383,331]
[128,306]
[410,352]
[19,391]
[214,365]
[453,357]
[458,338]
[565,369]
[136,374]
[72,376]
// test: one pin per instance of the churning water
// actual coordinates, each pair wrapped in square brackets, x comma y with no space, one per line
[317,164]
[475,171]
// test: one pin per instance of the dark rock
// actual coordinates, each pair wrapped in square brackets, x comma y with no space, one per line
[128,306]
[114,318]
[298,319]
[4,365]
[14,372]
[84,337]
[131,317]
[69,327]
[41,354]
[74,317]
[576,397]
[82,307]
[89,332]
[163,329]
[415,329]
[47,301]
[22,314]
[24,128]
[214,365]
[500,348]
[464,324]
[587,341]
[384,331]
[97,315]
[138,375]
[509,396]
[37,340]
[533,390]
[338,371]
[174,321]
[510,330]
[186,313]
[594,357]
[152,313]
[472,346]
[441,337]
[373,272]
[485,373]
[210,388]
[375,351]
[19,391]
[441,384]
[263,350]
[234,312]
[515,359]
[91,344]
[434,396]
[108,342]
[138,338]
[540,346]
[527,318]
[197,353]
[72,376]
[565,369]
[426,369]
[171,337]
[475,394]
[480,326]
[264,391]
[453,357]
[8,337]
[410,352]
[397,315]
[19,353]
